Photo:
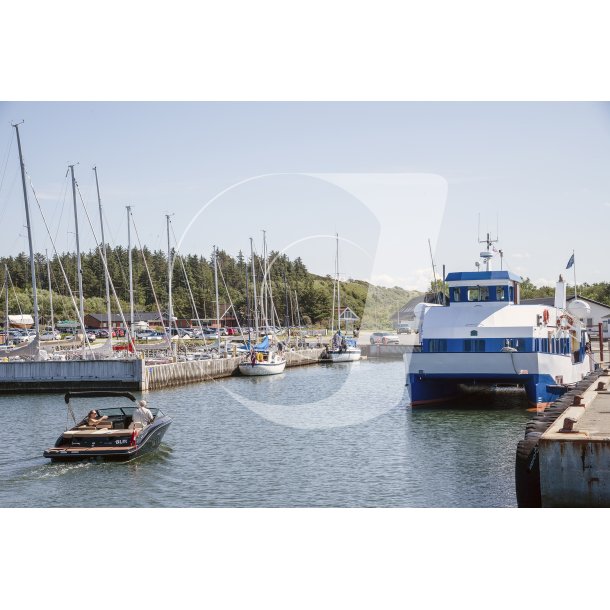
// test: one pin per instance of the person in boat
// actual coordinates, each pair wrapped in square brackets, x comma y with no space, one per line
[337,340]
[93,419]
[343,344]
[142,415]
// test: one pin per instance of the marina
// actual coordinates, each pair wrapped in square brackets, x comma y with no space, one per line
[259,442]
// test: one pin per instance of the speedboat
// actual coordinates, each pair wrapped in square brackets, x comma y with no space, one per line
[116,438]
[485,336]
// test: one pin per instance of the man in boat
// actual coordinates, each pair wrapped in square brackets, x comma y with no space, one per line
[337,340]
[142,415]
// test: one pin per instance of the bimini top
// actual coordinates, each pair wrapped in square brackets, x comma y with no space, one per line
[469,276]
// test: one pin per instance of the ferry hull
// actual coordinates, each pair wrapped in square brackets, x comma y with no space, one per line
[435,377]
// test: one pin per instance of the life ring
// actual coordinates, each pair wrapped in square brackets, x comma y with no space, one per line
[569,320]
[545,316]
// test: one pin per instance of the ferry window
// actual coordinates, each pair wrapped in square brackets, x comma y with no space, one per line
[438,345]
[455,295]
[474,345]
[473,294]
[484,293]
[500,293]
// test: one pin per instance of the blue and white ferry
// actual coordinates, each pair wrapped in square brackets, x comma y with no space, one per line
[486,337]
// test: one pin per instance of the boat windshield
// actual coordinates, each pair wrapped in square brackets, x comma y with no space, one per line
[113,411]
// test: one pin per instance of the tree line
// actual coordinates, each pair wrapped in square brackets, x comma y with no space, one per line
[299,297]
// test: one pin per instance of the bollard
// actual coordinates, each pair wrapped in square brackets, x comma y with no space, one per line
[577,401]
[568,425]
[600,386]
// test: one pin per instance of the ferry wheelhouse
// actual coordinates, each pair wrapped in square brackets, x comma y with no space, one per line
[486,337]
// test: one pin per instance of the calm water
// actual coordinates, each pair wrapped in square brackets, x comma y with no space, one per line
[266,443]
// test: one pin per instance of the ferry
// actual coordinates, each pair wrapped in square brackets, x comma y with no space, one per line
[484,336]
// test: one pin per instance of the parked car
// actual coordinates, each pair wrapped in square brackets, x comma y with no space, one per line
[232,331]
[384,338]
[50,336]
[404,328]
[101,333]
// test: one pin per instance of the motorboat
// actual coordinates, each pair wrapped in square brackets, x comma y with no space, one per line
[485,336]
[116,438]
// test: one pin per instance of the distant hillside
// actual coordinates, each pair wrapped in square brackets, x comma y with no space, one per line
[308,294]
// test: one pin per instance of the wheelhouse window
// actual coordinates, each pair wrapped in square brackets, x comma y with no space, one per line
[500,293]
[478,293]
[455,295]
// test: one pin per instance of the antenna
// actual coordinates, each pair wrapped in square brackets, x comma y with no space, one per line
[487,255]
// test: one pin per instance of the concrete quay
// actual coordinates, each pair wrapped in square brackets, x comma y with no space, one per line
[574,453]
[62,375]
[160,376]
[134,374]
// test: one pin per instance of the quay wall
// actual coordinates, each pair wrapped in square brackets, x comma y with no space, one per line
[387,351]
[160,376]
[575,468]
[61,376]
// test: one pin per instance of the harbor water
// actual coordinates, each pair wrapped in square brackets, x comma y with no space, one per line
[315,436]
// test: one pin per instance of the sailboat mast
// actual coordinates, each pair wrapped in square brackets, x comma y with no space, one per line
[338,290]
[99,203]
[6,303]
[170,305]
[29,227]
[216,290]
[264,293]
[79,270]
[248,314]
[50,290]
[130,268]
[254,288]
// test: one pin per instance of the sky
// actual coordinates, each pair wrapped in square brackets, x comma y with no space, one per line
[393,179]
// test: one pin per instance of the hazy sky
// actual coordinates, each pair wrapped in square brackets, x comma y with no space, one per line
[386,176]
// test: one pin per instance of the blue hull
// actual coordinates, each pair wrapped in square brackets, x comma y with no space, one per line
[429,389]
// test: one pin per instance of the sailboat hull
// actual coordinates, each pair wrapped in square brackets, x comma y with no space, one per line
[259,369]
[351,355]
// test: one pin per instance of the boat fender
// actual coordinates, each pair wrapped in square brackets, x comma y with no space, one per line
[545,316]
[259,357]
[527,474]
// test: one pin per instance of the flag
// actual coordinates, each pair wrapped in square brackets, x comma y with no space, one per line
[570,262]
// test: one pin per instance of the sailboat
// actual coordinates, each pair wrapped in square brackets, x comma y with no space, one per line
[260,358]
[342,347]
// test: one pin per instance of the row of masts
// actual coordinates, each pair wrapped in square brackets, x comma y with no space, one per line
[266,297]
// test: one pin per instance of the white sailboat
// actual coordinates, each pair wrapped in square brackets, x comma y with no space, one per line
[342,347]
[260,358]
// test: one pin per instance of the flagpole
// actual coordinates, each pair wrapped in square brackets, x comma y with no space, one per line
[574,265]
